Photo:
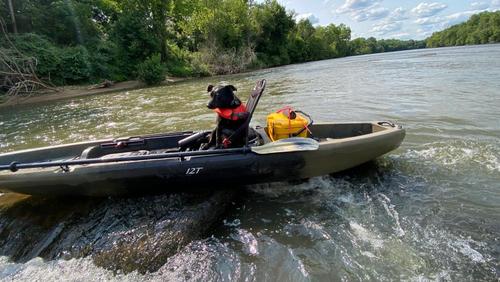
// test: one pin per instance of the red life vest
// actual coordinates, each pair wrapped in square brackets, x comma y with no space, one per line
[232,114]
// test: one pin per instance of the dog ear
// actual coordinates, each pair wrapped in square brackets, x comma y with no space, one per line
[232,87]
[210,87]
[235,103]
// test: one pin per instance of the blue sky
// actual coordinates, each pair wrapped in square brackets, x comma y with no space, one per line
[389,18]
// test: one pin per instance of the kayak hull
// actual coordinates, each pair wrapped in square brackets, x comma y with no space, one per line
[341,146]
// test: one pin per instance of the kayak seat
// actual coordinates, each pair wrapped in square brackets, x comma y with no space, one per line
[244,129]
[252,102]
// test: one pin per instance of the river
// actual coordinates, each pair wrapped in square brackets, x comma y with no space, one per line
[427,211]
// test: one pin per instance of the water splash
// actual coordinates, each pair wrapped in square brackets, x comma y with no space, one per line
[391,211]
[250,244]
[365,235]
[459,154]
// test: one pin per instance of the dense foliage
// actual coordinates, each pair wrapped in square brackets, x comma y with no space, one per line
[151,71]
[360,46]
[82,41]
[479,29]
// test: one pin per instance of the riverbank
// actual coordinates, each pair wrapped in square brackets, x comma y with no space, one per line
[74,91]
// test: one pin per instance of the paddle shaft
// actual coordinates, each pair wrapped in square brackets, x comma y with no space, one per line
[16,166]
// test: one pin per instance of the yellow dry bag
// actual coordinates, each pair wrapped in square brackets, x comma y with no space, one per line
[286,123]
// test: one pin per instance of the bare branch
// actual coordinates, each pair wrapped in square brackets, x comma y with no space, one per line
[17,71]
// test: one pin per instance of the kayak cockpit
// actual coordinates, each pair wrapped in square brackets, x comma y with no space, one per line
[322,131]
[157,145]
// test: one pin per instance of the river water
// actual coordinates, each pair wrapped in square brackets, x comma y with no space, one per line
[427,211]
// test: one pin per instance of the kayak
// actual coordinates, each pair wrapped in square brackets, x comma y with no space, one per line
[290,147]
[171,162]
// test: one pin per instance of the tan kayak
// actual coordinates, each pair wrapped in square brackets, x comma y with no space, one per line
[156,163]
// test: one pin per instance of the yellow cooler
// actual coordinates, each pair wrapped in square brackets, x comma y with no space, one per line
[287,123]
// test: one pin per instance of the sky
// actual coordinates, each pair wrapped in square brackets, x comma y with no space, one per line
[389,18]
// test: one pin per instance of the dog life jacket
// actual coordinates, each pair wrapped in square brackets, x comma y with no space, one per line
[232,114]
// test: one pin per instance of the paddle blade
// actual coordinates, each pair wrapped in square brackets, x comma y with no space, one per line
[294,144]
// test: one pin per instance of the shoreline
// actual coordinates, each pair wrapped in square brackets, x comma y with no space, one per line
[75,91]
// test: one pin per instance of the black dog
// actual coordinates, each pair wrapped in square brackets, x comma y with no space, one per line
[232,127]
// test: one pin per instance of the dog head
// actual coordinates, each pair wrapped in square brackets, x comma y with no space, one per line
[223,97]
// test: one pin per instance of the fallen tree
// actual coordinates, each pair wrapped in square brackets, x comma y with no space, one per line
[18,76]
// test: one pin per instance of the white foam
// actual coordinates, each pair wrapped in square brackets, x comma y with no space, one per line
[459,153]
[365,235]
[464,248]
[369,254]
[308,229]
[317,229]
[492,163]
[60,270]
[323,184]
[289,212]
[251,246]
[301,266]
[235,223]
[393,213]
[441,276]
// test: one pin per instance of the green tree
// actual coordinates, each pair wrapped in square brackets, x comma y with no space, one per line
[81,41]
[272,24]
[479,29]
[151,71]
[151,18]
[66,22]
[133,40]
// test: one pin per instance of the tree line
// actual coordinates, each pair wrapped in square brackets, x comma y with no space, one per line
[86,41]
[481,28]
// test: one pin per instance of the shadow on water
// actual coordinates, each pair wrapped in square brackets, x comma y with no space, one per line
[120,234]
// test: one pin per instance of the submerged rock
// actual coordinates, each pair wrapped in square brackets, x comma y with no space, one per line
[121,234]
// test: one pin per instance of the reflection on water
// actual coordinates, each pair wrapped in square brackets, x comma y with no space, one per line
[429,210]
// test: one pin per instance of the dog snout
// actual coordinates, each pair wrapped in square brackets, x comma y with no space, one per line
[211,105]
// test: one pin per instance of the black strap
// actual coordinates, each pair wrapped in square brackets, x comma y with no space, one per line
[304,128]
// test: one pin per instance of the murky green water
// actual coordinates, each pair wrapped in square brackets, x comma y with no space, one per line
[428,211]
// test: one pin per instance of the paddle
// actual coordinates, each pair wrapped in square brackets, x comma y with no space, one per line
[295,144]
